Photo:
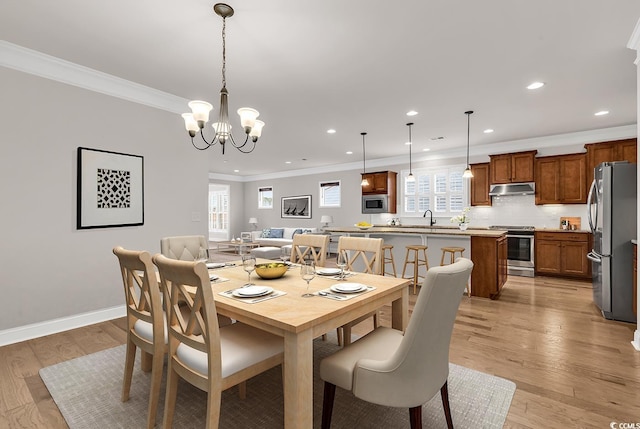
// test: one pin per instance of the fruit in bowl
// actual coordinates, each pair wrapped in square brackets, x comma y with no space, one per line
[363,225]
[271,270]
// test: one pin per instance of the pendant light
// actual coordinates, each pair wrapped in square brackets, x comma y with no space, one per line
[410,177]
[364,182]
[467,172]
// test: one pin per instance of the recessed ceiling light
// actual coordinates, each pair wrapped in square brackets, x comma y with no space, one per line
[349,152]
[236,171]
[488,130]
[287,162]
[535,85]
[601,113]
[331,131]
[412,113]
[426,149]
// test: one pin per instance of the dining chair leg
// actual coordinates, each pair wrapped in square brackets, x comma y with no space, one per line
[128,370]
[154,393]
[346,335]
[214,397]
[170,397]
[415,417]
[146,361]
[340,335]
[327,404]
[444,392]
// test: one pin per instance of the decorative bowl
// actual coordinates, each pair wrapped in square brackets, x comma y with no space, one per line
[363,227]
[271,270]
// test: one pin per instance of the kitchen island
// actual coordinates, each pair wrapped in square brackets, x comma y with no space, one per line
[488,250]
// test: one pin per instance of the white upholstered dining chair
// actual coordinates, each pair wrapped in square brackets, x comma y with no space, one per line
[217,359]
[146,327]
[388,368]
[309,246]
[183,247]
[365,255]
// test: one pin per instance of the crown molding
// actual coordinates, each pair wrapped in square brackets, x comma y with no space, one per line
[634,42]
[36,63]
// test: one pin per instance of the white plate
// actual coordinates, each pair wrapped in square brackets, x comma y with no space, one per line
[211,265]
[251,291]
[327,271]
[348,287]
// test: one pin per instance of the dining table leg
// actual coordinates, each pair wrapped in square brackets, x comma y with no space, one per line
[298,380]
[400,311]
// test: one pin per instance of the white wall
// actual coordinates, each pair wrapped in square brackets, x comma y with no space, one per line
[48,269]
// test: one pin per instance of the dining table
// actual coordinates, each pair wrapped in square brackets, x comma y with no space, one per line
[299,320]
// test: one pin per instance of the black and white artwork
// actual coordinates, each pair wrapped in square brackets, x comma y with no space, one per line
[296,207]
[110,189]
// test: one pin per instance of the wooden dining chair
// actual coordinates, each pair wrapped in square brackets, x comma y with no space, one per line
[146,326]
[217,359]
[309,246]
[364,255]
[387,367]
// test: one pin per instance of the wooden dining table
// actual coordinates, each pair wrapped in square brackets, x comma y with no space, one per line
[301,319]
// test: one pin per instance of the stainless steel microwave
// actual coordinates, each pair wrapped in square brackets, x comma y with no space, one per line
[375,203]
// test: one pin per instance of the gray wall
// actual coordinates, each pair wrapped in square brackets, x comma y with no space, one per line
[48,269]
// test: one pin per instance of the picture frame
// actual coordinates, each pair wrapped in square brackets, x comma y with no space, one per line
[110,189]
[298,207]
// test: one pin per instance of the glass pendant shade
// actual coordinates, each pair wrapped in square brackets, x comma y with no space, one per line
[190,123]
[411,178]
[200,110]
[467,173]
[248,117]
[256,130]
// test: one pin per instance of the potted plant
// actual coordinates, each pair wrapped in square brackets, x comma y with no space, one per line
[462,219]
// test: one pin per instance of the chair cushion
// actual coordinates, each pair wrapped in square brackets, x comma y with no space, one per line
[379,344]
[145,329]
[241,346]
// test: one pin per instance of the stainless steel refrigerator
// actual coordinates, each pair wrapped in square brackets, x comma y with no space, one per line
[612,219]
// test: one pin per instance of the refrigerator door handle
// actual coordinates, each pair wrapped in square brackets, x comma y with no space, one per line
[590,205]
[593,256]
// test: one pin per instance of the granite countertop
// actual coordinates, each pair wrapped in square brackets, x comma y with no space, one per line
[416,229]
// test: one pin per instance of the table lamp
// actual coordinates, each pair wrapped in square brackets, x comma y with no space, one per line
[253,221]
[326,220]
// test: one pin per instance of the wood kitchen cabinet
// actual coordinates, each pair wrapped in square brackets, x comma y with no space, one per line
[489,256]
[617,150]
[381,182]
[513,167]
[561,179]
[562,254]
[480,184]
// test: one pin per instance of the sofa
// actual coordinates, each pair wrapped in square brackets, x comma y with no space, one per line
[278,237]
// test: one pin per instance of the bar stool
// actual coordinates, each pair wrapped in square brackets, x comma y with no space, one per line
[415,250]
[388,259]
[452,256]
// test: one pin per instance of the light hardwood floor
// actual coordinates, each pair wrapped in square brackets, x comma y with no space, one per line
[572,368]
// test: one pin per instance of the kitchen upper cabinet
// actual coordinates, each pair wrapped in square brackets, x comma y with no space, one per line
[562,254]
[618,150]
[512,167]
[561,179]
[381,182]
[480,185]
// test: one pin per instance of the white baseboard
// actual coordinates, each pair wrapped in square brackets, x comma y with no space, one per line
[35,330]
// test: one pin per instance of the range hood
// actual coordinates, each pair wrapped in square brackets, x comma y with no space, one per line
[513,189]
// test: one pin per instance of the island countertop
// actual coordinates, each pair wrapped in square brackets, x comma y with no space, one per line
[416,229]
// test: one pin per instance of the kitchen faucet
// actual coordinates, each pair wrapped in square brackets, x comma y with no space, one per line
[431,221]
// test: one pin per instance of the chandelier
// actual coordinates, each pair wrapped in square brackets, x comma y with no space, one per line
[196,120]
[467,172]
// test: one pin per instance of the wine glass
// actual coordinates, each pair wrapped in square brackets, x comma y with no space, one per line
[308,272]
[341,262]
[248,264]
[284,255]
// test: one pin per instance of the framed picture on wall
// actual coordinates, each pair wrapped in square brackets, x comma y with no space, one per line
[296,207]
[110,189]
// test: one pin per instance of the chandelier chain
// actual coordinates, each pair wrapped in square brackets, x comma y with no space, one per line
[224,52]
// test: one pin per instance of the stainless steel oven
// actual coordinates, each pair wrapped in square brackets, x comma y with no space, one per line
[520,250]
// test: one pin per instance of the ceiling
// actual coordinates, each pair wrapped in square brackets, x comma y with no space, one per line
[359,65]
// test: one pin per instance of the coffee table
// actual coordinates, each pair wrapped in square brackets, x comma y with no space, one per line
[236,245]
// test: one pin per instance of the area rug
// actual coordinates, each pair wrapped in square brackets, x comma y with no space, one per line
[87,392]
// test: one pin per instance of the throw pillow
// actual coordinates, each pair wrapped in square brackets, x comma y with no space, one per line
[266,233]
[297,231]
[277,232]
[307,231]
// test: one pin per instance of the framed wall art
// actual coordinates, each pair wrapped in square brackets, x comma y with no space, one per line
[296,207]
[110,189]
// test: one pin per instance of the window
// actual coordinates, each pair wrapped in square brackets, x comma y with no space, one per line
[330,194]
[265,197]
[218,218]
[441,190]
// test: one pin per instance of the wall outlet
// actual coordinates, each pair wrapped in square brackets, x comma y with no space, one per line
[195,216]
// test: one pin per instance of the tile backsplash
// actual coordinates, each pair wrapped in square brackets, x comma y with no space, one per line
[507,210]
